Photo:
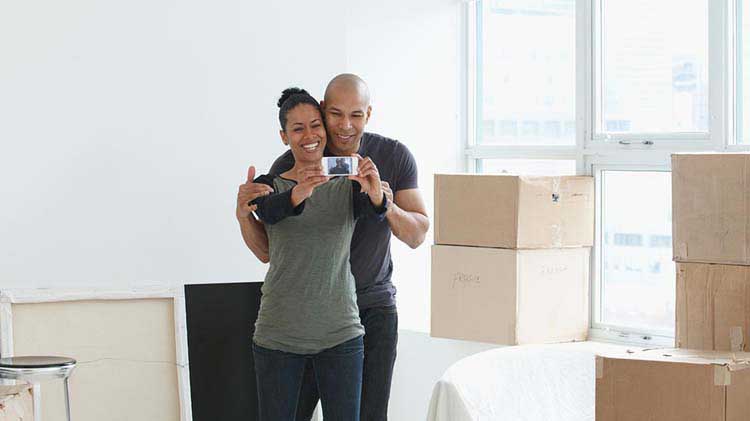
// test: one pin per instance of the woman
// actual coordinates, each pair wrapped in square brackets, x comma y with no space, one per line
[309,304]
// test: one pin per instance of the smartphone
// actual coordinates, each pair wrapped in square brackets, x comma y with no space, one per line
[340,165]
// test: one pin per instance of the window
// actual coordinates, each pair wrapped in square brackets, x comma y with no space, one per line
[661,241]
[526,70]
[632,240]
[610,88]
[637,280]
[653,69]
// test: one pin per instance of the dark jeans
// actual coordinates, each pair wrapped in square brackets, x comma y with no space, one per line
[338,372]
[381,338]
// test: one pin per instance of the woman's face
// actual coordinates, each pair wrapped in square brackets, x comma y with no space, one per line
[305,133]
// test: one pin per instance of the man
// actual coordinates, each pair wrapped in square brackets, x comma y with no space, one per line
[341,167]
[346,108]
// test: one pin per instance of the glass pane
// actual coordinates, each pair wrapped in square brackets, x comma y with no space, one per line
[552,167]
[526,64]
[743,73]
[638,274]
[655,66]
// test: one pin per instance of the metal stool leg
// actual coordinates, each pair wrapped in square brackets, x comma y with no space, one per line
[67,398]
[37,391]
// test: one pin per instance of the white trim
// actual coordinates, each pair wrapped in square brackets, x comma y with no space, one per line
[467,81]
[524,152]
[45,295]
[623,338]
[717,70]
[6,329]
[181,356]
[743,147]
[595,67]
[470,11]
[731,87]
[583,76]
[671,137]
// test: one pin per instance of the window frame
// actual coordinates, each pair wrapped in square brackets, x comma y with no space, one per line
[670,140]
[597,328]
[592,153]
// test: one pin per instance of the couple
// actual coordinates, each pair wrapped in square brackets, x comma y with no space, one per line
[316,336]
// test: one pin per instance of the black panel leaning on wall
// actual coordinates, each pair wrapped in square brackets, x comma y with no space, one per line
[220,324]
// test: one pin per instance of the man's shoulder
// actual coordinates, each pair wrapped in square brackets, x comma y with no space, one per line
[283,163]
[374,143]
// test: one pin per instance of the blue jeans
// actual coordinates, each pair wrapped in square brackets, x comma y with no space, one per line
[381,338]
[338,372]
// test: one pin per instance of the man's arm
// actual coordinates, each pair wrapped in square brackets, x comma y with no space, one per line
[407,215]
[253,231]
[256,239]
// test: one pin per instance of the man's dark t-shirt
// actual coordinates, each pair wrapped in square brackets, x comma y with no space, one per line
[371,243]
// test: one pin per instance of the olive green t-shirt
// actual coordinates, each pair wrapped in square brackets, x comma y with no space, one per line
[309,300]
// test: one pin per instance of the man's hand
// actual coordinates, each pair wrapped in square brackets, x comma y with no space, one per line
[388,192]
[248,192]
[369,178]
[308,178]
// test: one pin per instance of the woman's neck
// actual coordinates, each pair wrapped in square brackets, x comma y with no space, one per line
[292,173]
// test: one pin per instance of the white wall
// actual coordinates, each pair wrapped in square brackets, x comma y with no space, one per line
[408,54]
[126,127]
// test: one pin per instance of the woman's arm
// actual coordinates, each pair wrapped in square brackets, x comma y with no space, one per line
[363,206]
[275,207]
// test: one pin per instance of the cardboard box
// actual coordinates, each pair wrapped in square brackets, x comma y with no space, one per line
[514,212]
[712,307]
[711,208]
[673,385]
[16,403]
[510,296]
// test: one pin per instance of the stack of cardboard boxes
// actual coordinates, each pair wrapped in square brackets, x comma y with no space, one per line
[711,240]
[511,261]
[708,377]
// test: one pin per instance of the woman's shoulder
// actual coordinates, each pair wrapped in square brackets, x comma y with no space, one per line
[274,180]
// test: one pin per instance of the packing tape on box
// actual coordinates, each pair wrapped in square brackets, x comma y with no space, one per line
[722,376]
[599,367]
[736,338]
[549,184]
[682,251]
[556,232]
[556,188]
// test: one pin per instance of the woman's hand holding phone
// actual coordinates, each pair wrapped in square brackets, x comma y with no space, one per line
[308,178]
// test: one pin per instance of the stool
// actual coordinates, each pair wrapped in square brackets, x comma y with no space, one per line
[36,369]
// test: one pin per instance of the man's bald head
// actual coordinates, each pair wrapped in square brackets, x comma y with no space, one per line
[346,109]
[348,84]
